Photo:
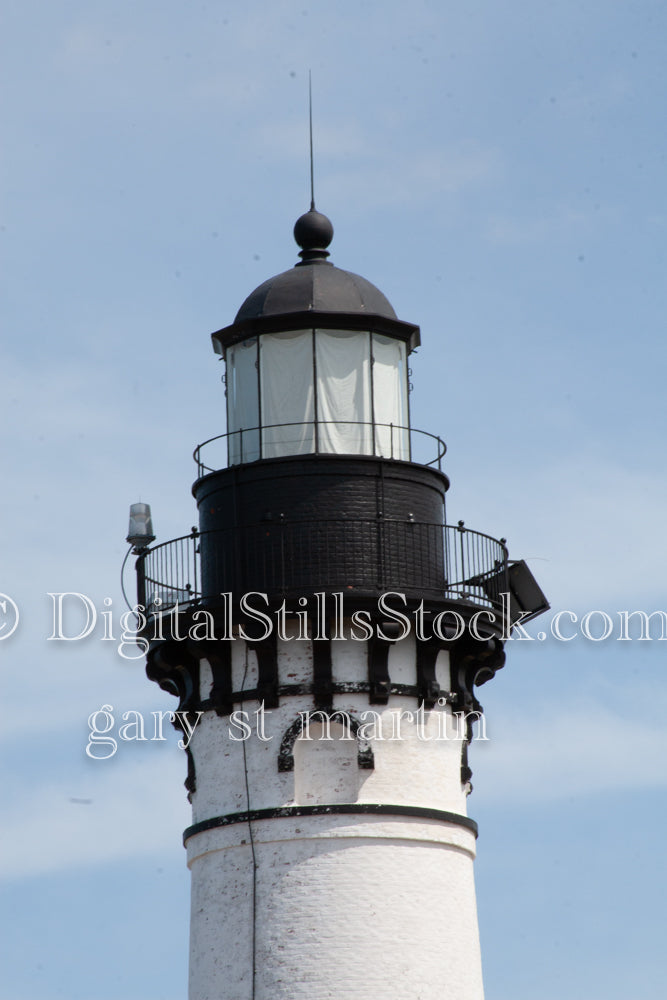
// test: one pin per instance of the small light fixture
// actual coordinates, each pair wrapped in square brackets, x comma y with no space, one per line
[140,532]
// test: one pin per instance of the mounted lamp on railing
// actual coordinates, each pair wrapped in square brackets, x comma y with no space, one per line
[140,532]
[139,537]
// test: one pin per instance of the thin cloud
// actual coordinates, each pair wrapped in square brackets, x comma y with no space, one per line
[570,754]
[134,811]
[518,230]
[416,177]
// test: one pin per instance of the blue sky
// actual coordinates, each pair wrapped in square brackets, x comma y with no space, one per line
[498,170]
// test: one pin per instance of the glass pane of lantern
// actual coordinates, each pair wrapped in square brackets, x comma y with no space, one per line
[390,389]
[242,402]
[344,392]
[286,366]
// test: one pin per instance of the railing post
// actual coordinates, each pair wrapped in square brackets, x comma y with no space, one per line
[506,556]
[195,536]
[282,553]
[380,563]
[461,527]
[448,573]
[141,578]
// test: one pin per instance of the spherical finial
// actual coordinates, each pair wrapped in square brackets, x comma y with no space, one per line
[313,232]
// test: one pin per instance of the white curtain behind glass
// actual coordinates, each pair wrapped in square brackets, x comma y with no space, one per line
[286,365]
[242,402]
[344,392]
[390,397]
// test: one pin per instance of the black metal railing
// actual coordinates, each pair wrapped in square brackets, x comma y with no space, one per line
[319,437]
[170,573]
[295,558]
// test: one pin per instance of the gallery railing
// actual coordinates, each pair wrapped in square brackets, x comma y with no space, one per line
[319,437]
[295,558]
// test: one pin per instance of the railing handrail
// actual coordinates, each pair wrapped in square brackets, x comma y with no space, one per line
[195,533]
[474,578]
[372,425]
[191,536]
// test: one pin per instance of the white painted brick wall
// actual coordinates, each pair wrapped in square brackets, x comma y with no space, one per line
[376,906]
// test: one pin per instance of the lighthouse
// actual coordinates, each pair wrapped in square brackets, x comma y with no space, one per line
[325,631]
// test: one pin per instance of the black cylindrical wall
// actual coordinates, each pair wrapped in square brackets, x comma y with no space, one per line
[293,526]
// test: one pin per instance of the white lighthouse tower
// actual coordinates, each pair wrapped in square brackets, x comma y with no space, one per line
[324,630]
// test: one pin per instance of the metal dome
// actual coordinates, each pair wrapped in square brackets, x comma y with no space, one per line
[314,287]
[314,284]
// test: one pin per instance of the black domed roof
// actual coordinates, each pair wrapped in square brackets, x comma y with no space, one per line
[314,284]
[316,293]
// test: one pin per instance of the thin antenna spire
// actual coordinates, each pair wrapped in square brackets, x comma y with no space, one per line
[310,117]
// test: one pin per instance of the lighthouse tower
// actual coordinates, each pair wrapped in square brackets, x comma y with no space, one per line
[325,630]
